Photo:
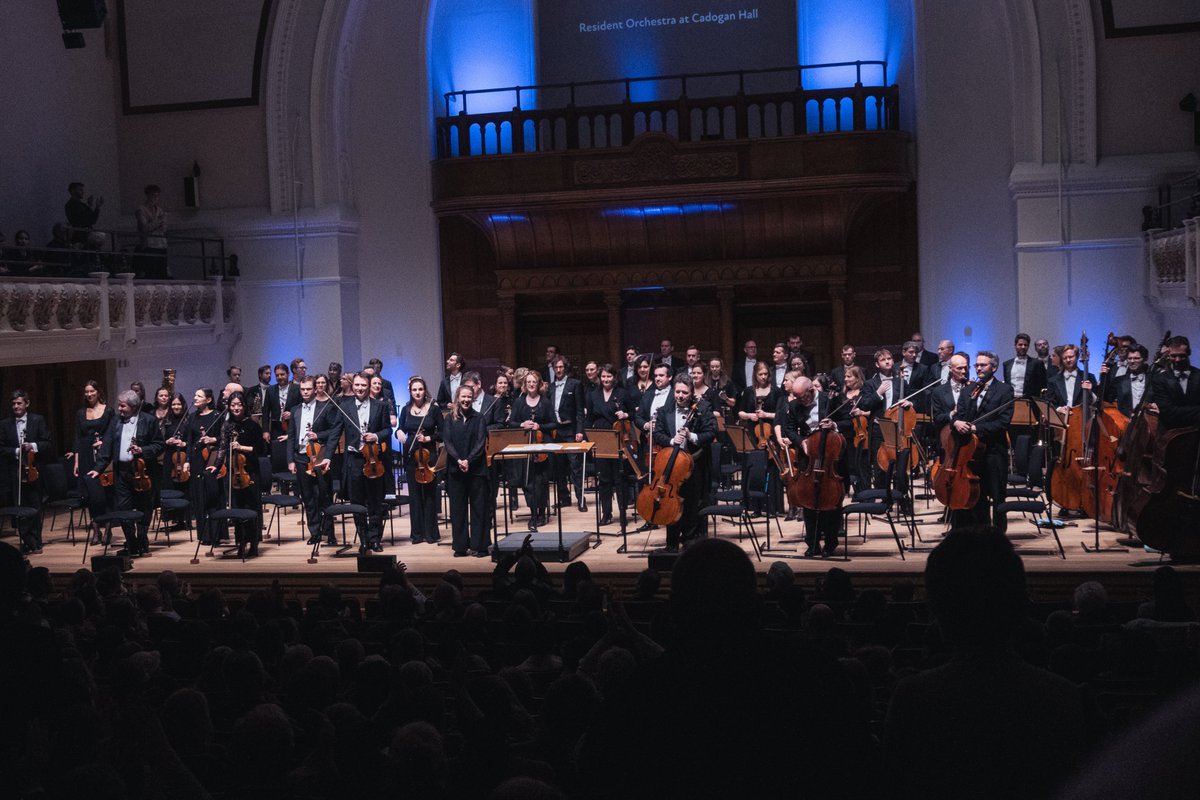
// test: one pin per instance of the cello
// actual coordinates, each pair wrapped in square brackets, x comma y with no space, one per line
[660,503]
[819,487]
[955,485]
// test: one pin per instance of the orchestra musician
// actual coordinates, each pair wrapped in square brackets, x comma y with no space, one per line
[838,375]
[133,434]
[670,430]
[495,418]
[202,438]
[281,397]
[21,434]
[890,387]
[372,428]
[92,423]
[242,436]
[779,365]
[464,436]
[860,404]
[758,404]
[992,399]
[173,429]
[448,389]
[629,372]
[567,399]
[807,413]
[534,412]
[316,421]
[1024,373]
[418,430]
[1177,388]
[944,400]
[743,375]
[607,404]
[941,369]
[1130,390]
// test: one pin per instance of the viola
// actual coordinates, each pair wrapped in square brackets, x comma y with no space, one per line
[660,503]
[954,484]
[29,470]
[819,487]
[210,458]
[313,451]
[762,429]
[424,473]
[626,441]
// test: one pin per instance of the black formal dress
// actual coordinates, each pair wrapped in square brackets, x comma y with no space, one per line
[205,491]
[14,492]
[602,413]
[535,473]
[464,437]
[424,498]
[247,433]
[89,438]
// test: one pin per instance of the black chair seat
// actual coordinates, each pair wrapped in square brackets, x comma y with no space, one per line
[864,508]
[282,500]
[870,494]
[341,509]
[237,514]
[18,512]
[1021,507]
[66,502]
[173,504]
[117,517]
[731,511]
[728,496]
[170,494]
[1023,493]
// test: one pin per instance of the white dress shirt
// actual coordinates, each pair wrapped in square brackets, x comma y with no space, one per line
[1016,375]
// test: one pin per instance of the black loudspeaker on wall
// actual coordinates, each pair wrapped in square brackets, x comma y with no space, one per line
[82,14]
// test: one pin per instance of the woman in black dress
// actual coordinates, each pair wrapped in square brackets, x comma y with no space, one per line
[240,448]
[91,426]
[606,406]
[174,432]
[757,405]
[464,435]
[534,412]
[203,438]
[418,430]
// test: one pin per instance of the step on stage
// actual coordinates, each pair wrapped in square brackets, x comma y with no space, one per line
[873,557]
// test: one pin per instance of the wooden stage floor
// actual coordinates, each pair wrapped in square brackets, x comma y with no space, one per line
[873,561]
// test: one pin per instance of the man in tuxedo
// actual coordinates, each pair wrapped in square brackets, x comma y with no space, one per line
[795,347]
[1042,348]
[779,364]
[889,386]
[807,413]
[1025,374]
[316,421]
[944,403]
[256,397]
[483,402]
[742,371]
[849,353]
[1177,389]
[654,399]
[454,375]
[372,428]
[1132,389]
[986,411]
[941,370]
[628,374]
[21,434]
[672,428]
[566,393]
[377,365]
[134,434]
[1066,387]
[915,374]
[924,357]
[691,357]
[666,350]
[280,398]
[548,369]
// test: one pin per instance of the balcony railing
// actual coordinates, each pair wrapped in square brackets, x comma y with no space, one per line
[776,111]
[114,307]
[116,252]
[1173,264]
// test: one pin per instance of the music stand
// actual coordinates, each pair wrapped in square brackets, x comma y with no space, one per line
[608,446]
[497,440]
[1049,420]
[572,544]
[743,445]
[889,435]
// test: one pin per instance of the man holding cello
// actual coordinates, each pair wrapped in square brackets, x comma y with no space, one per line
[676,427]
[985,413]
[818,491]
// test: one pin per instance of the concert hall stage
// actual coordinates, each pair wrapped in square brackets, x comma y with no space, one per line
[874,562]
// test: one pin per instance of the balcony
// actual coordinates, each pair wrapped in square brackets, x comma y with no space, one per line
[1173,265]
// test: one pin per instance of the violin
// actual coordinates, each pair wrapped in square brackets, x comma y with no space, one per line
[313,451]
[29,470]
[660,503]
[210,458]
[105,477]
[181,469]
[241,478]
[423,472]
[762,429]
[141,476]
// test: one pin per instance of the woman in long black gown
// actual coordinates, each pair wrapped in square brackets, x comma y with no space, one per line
[418,430]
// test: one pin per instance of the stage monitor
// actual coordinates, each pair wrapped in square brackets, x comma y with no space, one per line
[590,40]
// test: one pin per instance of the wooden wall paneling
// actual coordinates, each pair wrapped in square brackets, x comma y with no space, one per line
[56,392]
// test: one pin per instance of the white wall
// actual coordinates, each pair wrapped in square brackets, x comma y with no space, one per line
[59,112]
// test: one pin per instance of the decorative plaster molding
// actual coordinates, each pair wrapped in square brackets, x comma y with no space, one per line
[1082,109]
[279,119]
[653,159]
[307,283]
[1117,243]
[1118,175]
[329,102]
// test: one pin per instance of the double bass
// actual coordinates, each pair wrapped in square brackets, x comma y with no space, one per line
[660,503]
[1101,460]
[1068,484]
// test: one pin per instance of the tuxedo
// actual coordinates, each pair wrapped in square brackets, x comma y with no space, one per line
[273,408]
[927,358]
[919,377]
[568,402]
[1057,388]
[38,434]
[991,457]
[797,425]
[1176,408]
[1035,376]
[315,490]
[777,374]
[445,394]
[942,403]
[487,403]
[114,450]
[899,389]
[357,487]
[737,374]
[695,489]
[1119,391]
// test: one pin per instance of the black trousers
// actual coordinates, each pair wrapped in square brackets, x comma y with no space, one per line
[424,505]
[316,492]
[126,499]
[206,497]
[30,530]
[689,524]
[468,510]
[820,525]
[992,470]
[368,492]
